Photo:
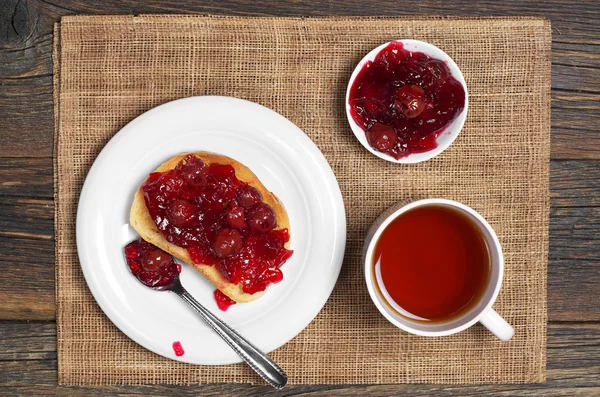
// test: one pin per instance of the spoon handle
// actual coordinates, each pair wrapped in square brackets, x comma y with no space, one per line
[256,359]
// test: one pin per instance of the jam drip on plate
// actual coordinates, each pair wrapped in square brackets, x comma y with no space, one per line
[151,265]
[403,100]
[178,349]
[220,220]
[223,301]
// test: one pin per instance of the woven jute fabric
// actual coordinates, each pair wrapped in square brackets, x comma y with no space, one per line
[109,70]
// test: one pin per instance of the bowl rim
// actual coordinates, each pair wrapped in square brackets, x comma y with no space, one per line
[459,121]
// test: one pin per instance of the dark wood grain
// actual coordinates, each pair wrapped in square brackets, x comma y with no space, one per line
[574,254]
[28,367]
[26,177]
[28,349]
[27,285]
[26,218]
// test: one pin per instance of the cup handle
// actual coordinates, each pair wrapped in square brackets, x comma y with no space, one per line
[497,325]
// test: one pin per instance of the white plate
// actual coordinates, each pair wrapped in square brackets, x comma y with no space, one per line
[286,161]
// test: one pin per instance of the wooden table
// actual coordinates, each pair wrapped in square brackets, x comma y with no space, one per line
[28,364]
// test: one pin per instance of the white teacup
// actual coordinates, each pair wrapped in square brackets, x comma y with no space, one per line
[481,312]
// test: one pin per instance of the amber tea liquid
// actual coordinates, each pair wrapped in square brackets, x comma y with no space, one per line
[433,262]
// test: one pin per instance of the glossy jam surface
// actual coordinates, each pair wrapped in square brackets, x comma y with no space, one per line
[220,220]
[151,265]
[223,301]
[403,100]
[434,263]
[178,349]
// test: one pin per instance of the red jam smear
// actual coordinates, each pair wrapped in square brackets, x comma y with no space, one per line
[403,100]
[223,301]
[178,349]
[151,265]
[220,220]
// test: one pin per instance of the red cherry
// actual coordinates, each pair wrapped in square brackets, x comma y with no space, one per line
[414,70]
[261,218]
[155,259]
[391,56]
[437,72]
[217,192]
[235,216]
[411,101]
[169,185]
[228,243]
[247,196]
[181,213]
[382,137]
[191,168]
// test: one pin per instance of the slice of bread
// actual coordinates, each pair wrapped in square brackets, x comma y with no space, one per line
[142,222]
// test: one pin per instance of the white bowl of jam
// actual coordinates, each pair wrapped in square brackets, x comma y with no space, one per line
[406,101]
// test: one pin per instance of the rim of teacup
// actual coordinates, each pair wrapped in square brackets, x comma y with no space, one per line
[373,235]
[450,133]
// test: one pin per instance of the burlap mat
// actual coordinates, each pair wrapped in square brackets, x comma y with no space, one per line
[109,70]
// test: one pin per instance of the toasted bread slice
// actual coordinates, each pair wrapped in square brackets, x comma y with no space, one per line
[142,222]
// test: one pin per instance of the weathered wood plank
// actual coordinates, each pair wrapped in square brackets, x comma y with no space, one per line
[28,367]
[27,285]
[27,177]
[575,184]
[27,261]
[28,218]
[574,260]
[26,116]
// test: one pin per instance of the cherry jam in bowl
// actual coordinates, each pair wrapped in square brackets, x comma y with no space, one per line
[406,101]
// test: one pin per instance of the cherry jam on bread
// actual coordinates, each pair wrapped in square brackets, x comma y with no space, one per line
[403,100]
[220,220]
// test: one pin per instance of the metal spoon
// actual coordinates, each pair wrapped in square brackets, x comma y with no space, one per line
[256,359]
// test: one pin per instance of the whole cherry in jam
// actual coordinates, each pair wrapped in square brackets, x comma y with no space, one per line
[155,259]
[192,171]
[411,101]
[247,196]
[181,213]
[403,100]
[150,265]
[235,216]
[228,243]
[382,137]
[220,220]
[261,218]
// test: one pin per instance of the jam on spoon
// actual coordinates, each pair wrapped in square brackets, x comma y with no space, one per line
[403,100]
[157,270]
[150,265]
[154,267]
